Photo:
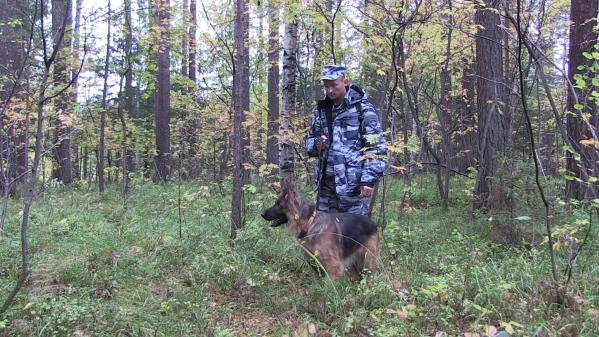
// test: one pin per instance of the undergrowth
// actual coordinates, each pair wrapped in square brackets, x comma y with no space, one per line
[102,269]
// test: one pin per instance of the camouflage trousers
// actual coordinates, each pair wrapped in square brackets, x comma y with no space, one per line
[328,200]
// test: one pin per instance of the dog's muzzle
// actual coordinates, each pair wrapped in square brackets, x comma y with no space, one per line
[275,216]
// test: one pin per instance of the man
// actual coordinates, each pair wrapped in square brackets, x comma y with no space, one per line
[347,138]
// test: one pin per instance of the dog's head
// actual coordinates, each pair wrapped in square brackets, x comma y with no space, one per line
[277,213]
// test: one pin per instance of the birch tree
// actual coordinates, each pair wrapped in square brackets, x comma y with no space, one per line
[286,155]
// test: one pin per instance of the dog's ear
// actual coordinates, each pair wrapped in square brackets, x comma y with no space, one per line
[288,190]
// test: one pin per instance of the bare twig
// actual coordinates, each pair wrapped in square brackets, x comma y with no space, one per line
[533,148]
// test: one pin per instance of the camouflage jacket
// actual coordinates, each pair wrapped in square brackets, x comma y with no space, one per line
[357,150]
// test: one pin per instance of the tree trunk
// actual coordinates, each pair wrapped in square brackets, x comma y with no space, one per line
[124,149]
[493,117]
[162,96]
[13,57]
[76,56]
[547,134]
[101,145]
[467,123]
[444,115]
[192,41]
[61,21]
[128,59]
[185,40]
[286,155]
[583,15]
[192,122]
[13,151]
[225,153]
[241,105]
[129,95]
[322,50]
[273,83]
[407,125]
[31,174]
[85,162]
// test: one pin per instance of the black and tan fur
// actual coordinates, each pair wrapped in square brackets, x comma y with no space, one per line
[339,241]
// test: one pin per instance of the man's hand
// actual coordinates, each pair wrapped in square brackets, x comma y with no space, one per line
[322,143]
[366,191]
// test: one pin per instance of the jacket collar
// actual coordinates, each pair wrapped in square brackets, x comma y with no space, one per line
[353,95]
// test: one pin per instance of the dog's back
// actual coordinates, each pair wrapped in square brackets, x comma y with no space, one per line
[356,230]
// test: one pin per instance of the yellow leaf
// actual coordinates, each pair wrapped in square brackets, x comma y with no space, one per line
[509,326]
[589,142]
[557,246]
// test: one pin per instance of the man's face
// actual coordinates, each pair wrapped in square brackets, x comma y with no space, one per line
[335,90]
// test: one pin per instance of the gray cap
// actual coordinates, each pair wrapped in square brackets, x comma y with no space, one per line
[332,72]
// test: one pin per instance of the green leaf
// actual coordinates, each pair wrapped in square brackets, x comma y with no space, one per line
[580,84]
[522,218]
[587,55]
[595,81]
[596,55]
[578,106]
[567,148]
[250,188]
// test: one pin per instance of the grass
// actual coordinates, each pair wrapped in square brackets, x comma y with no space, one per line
[99,269]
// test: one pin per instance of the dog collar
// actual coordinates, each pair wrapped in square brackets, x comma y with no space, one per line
[302,234]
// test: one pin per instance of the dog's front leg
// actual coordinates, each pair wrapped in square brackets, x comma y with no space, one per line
[333,265]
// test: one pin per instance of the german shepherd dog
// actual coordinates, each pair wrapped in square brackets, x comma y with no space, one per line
[337,240]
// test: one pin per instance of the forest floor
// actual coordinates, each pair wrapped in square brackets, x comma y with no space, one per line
[164,266]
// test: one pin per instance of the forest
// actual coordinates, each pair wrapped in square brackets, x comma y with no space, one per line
[141,140]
